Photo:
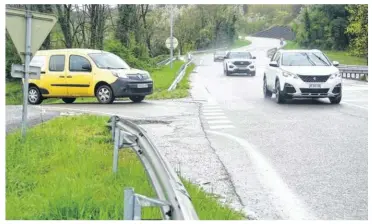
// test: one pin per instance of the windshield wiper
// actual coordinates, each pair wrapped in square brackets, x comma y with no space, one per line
[308,58]
[320,59]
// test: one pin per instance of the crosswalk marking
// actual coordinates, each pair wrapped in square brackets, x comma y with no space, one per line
[221,126]
[213,114]
[219,122]
[215,117]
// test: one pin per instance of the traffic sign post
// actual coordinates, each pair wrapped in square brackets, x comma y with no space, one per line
[28,31]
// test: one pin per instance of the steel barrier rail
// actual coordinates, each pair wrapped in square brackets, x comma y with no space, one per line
[181,72]
[172,196]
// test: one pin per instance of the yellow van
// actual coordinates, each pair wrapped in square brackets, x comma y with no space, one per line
[71,73]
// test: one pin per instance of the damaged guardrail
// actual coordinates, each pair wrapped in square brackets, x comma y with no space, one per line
[172,197]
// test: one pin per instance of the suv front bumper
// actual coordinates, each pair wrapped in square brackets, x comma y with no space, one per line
[296,88]
[250,69]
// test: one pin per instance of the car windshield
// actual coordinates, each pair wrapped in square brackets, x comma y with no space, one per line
[304,59]
[109,61]
[245,55]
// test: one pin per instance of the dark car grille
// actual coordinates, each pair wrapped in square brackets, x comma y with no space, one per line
[137,77]
[311,78]
[337,89]
[241,63]
[141,90]
[288,88]
[305,90]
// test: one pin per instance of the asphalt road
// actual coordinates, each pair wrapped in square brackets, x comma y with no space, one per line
[305,159]
[301,160]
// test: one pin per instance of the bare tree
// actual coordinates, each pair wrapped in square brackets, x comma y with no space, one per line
[64,13]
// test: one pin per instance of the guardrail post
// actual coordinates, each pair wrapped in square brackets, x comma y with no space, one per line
[128,203]
[116,150]
[137,208]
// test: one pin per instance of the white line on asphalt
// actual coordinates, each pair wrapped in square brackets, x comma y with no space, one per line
[205,106]
[215,117]
[354,105]
[212,110]
[213,114]
[283,198]
[221,126]
[219,122]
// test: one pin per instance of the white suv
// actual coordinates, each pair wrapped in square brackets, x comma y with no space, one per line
[239,62]
[302,74]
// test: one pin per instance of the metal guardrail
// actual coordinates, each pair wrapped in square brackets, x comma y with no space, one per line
[173,199]
[165,62]
[355,72]
[181,72]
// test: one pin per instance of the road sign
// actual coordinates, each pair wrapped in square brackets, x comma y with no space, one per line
[41,26]
[28,31]
[18,71]
[168,43]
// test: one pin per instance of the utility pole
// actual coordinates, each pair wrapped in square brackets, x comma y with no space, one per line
[171,35]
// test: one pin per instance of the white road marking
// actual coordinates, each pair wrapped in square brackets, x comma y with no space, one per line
[215,117]
[221,126]
[354,105]
[283,198]
[219,122]
[212,110]
[213,114]
[210,106]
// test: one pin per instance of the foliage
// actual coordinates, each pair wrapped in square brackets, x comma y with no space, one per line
[11,55]
[358,29]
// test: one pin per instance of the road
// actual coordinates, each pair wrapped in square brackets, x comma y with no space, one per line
[301,160]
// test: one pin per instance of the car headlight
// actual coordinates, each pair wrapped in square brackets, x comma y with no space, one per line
[118,74]
[335,75]
[288,74]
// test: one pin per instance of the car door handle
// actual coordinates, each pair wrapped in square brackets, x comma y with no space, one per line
[69,76]
[61,76]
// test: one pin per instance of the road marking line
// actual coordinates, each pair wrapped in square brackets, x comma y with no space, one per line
[354,105]
[221,126]
[210,106]
[215,117]
[212,110]
[219,122]
[213,114]
[284,199]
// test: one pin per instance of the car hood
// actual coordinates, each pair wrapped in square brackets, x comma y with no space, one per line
[239,59]
[311,70]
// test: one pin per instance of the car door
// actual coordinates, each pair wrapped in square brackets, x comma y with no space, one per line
[271,71]
[54,79]
[79,79]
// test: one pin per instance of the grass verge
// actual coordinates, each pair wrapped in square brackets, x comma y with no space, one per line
[240,43]
[341,56]
[63,171]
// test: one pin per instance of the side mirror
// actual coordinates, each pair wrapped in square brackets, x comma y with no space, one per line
[254,57]
[274,64]
[335,63]
[87,67]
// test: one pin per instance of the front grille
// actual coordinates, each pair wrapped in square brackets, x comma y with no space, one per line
[141,90]
[306,90]
[242,63]
[312,78]
[137,77]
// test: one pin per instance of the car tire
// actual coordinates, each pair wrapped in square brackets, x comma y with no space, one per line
[68,100]
[267,93]
[227,72]
[279,95]
[136,99]
[34,95]
[335,100]
[105,94]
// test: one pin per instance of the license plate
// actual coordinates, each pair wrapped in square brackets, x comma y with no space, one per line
[142,86]
[315,86]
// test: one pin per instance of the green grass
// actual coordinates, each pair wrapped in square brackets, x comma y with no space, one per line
[13,94]
[341,56]
[240,43]
[63,171]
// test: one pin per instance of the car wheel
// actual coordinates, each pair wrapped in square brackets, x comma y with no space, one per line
[227,72]
[34,95]
[279,96]
[267,93]
[105,95]
[136,99]
[335,100]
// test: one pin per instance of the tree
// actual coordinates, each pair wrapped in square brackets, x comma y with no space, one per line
[64,13]
[358,29]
